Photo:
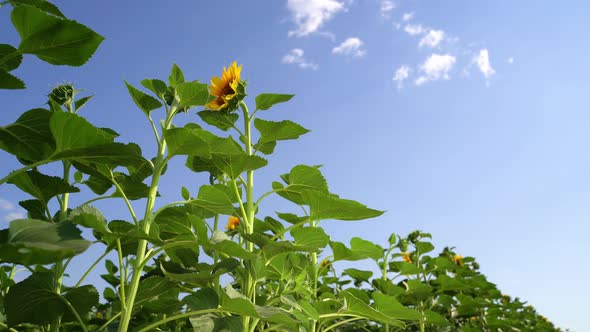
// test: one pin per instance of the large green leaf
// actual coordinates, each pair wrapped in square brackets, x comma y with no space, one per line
[265,101]
[72,132]
[156,86]
[83,298]
[144,101]
[30,241]
[235,164]
[310,237]
[34,300]
[204,298]
[157,293]
[221,120]
[300,179]
[390,306]
[366,248]
[89,216]
[271,131]
[42,187]
[357,307]
[205,274]
[176,76]
[215,199]
[30,137]
[55,40]
[212,323]
[185,141]
[44,5]
[327,206]
[358,275]
[10,58]
[192,94]
[9,81]
[236,303]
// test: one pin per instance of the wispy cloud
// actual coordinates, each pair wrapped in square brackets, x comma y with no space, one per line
[10,210]
[414,29]
[6,205]
[510,60]
[401,74]
[351,46]
[310,15]
[483,62]
[387,6]
[436,67]
[432,39]
[407,16]
[295,56]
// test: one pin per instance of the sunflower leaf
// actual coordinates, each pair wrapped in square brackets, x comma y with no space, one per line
[265,101]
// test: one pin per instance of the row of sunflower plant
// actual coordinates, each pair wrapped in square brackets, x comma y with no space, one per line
[177,266]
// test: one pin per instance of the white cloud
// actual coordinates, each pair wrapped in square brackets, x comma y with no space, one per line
[310,15]
[387,6]
[483,62]
[6,205]
[414,29]
[351,46]
[401,74]
[14,215]
[407,16]
[436,67]
[295,56]
[432,38]
[510,60]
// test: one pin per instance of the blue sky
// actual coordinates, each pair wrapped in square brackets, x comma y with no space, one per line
[465,119]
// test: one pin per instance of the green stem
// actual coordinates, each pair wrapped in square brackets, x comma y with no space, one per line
[24,169]
[147,220]
[176,317]
[122,274]
[59,267]
[250,209]
[129,206]
[342,322]
[73,311]
[91,268]
[104,326]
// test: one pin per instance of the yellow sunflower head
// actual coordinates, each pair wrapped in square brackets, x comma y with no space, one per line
[227,90]
[458,259]
[232,223]
[406,257]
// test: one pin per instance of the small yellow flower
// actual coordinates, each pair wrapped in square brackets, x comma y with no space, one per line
[505,299]
[224,88]
[458,259]
[406,257]
[325,263]
[232,223]
[474,318]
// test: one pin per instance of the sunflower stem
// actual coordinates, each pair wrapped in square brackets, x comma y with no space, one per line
[250,284]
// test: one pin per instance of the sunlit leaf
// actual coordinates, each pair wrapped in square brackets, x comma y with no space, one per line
[54,40]
[265,101]
[144,101]
[30,241]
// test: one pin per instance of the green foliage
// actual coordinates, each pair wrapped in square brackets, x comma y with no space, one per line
[177,268]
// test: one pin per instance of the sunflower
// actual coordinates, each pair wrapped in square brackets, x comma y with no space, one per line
[232,223]
[225,88]
[458,259]
[406,257]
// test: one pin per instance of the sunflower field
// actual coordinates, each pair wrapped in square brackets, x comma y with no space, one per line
[208,260]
